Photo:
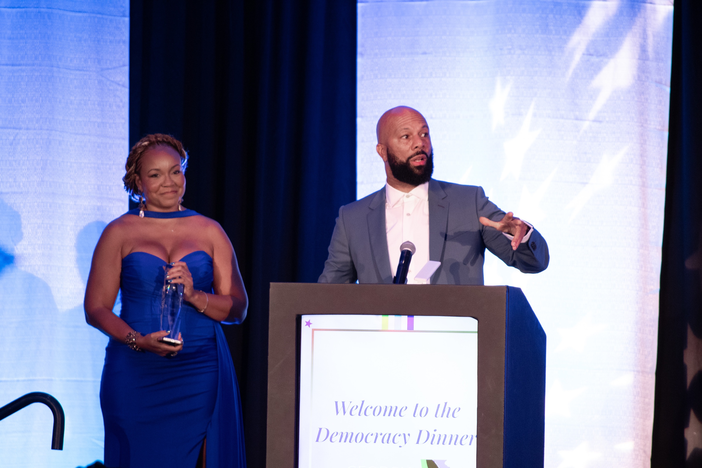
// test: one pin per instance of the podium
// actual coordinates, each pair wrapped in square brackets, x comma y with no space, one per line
[511,360]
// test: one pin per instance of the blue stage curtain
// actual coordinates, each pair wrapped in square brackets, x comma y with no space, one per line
[677,429]
[63,142]
[263,95]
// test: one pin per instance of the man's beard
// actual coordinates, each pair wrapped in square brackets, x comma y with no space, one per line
[409,174]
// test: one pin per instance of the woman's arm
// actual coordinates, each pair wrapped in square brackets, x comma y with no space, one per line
[229,302]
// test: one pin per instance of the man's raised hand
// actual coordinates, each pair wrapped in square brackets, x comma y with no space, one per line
[510,225]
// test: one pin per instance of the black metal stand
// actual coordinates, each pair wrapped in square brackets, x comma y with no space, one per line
[48,400]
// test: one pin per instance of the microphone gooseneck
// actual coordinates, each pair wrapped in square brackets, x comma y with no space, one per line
[407,249]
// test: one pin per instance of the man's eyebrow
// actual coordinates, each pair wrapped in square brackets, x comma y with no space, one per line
[403,129]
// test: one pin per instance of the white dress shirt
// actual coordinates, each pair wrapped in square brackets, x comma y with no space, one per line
[407,219]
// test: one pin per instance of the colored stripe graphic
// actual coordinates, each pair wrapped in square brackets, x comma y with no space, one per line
[398,322]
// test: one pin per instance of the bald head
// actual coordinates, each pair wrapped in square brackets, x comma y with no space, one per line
[389,121]
[404,145]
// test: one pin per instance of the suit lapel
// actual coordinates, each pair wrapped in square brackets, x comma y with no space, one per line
[378,237]
[438,222]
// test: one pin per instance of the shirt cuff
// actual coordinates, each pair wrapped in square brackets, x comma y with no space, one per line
[526,237]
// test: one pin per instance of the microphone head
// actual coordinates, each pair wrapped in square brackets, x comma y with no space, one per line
[407,245]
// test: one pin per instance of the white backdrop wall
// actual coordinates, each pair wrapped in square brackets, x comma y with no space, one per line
[559,109]
[63,143]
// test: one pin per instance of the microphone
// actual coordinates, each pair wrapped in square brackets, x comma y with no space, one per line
[407,250]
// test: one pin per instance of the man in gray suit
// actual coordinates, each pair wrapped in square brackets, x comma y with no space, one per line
[448,223]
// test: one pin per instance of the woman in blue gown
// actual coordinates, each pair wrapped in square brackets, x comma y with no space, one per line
[164,404]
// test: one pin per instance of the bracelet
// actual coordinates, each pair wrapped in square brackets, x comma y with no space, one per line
[130,341]
[202,311]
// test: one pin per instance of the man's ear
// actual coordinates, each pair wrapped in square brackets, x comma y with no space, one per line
[382,151]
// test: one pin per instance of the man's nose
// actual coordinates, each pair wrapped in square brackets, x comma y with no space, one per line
[418,142]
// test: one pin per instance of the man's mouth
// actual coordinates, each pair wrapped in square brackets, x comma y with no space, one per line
[419,160]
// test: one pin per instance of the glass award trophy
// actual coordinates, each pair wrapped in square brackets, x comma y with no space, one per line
[171,302]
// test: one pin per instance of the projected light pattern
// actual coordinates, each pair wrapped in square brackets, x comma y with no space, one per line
[560,111]
[63,142]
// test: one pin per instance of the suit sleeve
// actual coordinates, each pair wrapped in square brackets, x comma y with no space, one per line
[339,267]
[530,257]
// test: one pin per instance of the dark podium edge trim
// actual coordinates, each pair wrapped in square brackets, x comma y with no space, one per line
[510,420]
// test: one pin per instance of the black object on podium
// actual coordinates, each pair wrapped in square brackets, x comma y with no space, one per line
[511,360]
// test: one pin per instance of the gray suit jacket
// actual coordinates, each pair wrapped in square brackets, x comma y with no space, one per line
[359,248]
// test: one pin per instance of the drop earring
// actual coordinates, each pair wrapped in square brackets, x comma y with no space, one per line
[180,205]
[142,207]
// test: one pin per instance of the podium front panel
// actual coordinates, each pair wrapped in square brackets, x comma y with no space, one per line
[511,359]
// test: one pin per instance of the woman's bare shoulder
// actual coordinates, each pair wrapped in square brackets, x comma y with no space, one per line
[120,224]
[203,222]
[121,229]
[211,229]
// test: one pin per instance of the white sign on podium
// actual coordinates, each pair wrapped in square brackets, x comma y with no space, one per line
[388,391]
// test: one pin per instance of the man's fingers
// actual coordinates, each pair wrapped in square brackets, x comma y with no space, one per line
[509,224]
[487,222]
[501,225]
[519,235]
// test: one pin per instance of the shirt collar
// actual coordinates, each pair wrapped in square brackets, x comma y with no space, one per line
[394,196]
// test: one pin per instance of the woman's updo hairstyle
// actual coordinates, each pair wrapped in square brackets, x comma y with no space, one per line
[133,165]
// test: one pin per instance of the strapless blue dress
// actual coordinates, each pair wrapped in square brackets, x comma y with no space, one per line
[158,410]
